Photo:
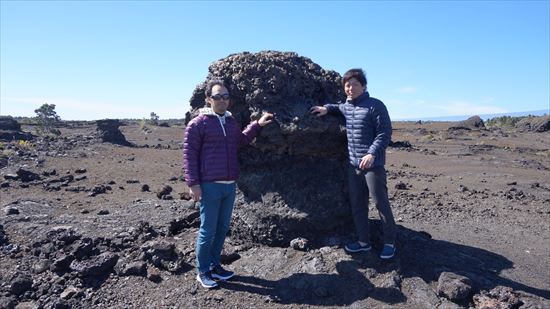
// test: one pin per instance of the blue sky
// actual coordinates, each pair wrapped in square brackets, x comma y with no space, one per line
[126,59]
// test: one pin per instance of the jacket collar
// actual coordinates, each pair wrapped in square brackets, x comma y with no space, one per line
[364,96]
[207,111]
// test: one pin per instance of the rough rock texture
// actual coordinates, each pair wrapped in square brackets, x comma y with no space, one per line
[292,178]
[95,266]
[454,287]
[499,297]
[10,129]
[534,124]
[108,132]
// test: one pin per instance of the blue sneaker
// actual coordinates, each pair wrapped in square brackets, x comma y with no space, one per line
[388,251]
[206,280]
[356,247]
[219,273]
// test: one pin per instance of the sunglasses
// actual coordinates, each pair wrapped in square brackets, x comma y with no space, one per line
[218,97]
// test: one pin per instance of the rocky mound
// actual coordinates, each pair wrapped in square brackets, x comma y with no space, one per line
[292,180]
[474,122]
[534,124]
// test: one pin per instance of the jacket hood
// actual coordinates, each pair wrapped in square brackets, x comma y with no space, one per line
[209,112]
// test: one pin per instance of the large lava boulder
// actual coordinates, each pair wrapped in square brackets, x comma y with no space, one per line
[292,181]
[108,131]
[472,123]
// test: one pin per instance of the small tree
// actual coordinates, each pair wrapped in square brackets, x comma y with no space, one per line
[154,119]
[47,118]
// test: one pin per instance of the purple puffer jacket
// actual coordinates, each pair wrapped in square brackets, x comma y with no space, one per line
[210,148]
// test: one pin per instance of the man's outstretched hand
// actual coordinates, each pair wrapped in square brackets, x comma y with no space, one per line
[318,110]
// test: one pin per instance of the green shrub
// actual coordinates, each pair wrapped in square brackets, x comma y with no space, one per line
[154,120]
[503,121]
[47,118]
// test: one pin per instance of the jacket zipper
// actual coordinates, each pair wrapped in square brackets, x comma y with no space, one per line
[226,146]
[353,133]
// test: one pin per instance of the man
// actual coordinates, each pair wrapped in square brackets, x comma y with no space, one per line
[211,169]
[369,131]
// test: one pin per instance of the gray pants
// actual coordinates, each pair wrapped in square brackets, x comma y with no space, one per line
[361,182]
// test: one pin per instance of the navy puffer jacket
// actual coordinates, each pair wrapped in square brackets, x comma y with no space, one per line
[210,147]
[368,127]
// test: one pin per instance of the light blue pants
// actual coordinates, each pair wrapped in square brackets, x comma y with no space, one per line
[216,208]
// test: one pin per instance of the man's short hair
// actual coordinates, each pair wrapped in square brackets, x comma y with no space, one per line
[355,73]
[213,82]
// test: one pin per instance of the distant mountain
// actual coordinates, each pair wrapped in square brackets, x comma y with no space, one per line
[484,116]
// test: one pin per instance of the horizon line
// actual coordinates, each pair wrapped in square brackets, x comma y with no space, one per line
[541,112]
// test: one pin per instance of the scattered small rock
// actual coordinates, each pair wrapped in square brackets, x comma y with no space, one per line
[40,266]
[401,186]
[299,244]
[69,292]
[20,284]
[185,196]
[49,172]
[11,210]
[164,191]
[498,297]
[95,266]
[153,274]
[11,177]
[136,268]
[99,189]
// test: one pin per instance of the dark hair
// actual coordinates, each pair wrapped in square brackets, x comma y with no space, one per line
[357,74]
[213,82]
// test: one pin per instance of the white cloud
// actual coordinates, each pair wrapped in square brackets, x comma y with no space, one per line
[407,89]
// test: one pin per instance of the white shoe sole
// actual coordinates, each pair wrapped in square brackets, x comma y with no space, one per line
[387,257]
[206,286]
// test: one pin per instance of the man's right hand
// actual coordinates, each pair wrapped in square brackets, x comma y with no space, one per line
[318,110]
[196,192]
